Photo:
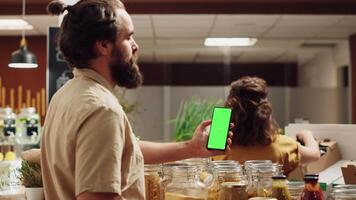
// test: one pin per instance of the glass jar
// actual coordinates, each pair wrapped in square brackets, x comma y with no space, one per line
[223,173]
[248,164]
[344,195]
[311,188]
[279,188]
[7,124]
[28,126]
[295,189]
[234,191]
[228,173]
[342,192]
[259,178]
[278,169]
[166,176]
[223,162]
[205,175]
[185,184]
[152,182]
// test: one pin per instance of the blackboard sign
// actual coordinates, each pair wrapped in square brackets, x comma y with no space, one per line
[58,72]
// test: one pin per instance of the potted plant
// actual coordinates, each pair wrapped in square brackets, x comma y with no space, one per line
[31,178]
[191,113]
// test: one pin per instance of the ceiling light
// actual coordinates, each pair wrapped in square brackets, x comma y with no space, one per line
[23,58]
[15,24]
[230,42]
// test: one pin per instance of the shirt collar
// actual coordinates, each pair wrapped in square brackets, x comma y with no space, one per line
[92,74]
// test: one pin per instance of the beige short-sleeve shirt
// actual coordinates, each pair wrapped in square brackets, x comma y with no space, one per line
[87,143]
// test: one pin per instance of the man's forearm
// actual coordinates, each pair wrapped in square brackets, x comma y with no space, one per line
[154,152]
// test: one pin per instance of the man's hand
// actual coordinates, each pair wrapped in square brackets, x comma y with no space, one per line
[198,143]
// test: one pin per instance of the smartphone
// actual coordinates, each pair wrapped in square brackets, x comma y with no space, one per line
[219,128]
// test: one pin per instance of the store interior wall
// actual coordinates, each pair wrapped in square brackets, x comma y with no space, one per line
[318,105]
[31,81]
[320,100]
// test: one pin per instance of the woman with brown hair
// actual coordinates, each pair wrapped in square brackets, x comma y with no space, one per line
[256,132]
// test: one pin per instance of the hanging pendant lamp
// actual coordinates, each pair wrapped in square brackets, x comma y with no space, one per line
[23,58]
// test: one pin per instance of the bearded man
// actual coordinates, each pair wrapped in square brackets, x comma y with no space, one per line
[88,149]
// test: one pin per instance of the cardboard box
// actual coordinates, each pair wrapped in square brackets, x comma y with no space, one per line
[331,156]
[349,172]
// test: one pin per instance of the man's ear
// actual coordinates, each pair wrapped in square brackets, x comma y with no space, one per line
[103,48]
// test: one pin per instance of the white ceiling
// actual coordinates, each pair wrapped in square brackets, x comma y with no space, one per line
[180,38]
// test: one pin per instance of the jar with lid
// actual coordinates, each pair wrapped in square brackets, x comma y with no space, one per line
[28,126]
[260,179]
[7,124]
[311,188]
[279,188]
[225,162]
[248,164]
[185,184]
[342,192]
[166,175]
[223,173]
[295,189]
[226,173]
[205,175]
[152,182]
[234,191]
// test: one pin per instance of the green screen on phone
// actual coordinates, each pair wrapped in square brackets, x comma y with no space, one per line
[219,128]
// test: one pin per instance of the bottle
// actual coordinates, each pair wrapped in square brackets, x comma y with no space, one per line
[311,188]
[279,188]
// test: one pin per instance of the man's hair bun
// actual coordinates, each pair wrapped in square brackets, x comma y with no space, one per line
[55,7]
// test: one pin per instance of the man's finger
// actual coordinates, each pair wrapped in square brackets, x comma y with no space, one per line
[232,125]
[231,134]
[204,124]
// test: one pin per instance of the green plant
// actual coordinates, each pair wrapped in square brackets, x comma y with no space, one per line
[30,174]
[191,113]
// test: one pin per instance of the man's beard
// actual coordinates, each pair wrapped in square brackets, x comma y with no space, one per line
[125,74]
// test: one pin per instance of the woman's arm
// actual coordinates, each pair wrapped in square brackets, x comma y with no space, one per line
[310,151]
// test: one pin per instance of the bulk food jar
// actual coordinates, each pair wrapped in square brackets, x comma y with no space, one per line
[234,191]
[152,182]
[259,178]
[166,176]
[28,126]
[202,164]
[223,173]
[295,189]
[7,124]
[185,184]
[342,192]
